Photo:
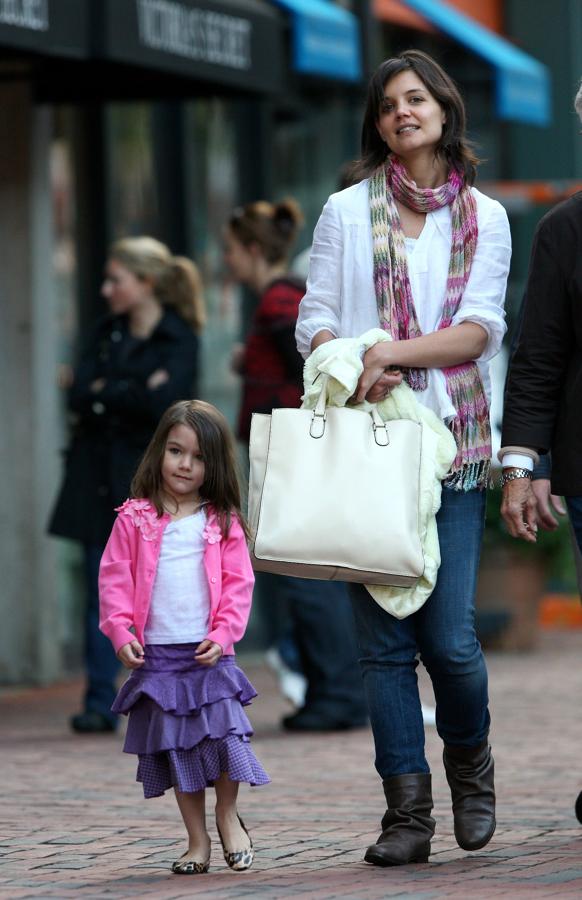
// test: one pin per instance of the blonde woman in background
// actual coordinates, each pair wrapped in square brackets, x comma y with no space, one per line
[141,357]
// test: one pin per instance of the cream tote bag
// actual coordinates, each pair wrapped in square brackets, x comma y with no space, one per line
[334,494]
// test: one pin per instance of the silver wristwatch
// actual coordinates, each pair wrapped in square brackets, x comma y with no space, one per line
[513,474]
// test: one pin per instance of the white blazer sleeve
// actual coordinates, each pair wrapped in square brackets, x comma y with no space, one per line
[321,305]
[484,295]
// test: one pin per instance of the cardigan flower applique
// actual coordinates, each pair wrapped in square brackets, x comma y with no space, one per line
[144,517]
[212,534]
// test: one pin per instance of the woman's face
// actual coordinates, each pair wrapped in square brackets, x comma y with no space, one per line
[410,119]
[123,290]
[239,259]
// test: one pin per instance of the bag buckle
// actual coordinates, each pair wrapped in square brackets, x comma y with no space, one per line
[383,440]
[317,427]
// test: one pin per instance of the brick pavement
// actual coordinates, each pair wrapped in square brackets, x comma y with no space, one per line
[73,824]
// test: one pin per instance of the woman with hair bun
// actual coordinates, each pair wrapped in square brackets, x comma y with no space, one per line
[258,241]
[141,357]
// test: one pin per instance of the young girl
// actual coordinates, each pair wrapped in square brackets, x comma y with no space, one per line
[175,591]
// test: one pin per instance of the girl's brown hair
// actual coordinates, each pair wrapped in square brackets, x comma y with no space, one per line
[271,226]
[221,487]
[453,146]
[175,280]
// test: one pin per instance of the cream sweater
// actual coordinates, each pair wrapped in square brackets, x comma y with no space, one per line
[340,359]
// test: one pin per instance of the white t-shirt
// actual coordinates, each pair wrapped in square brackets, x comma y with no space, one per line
[341,297]
[180,604]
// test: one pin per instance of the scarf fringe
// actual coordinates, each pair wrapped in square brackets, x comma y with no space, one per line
[471,476]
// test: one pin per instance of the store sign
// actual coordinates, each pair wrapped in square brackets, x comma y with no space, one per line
[195,33]
[236,44]
[33,14]
[56,28]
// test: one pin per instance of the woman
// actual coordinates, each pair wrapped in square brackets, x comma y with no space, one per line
[258,240]
[415,248]
[257,243]
[141,357]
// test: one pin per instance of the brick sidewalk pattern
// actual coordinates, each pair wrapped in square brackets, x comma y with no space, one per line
[73,822]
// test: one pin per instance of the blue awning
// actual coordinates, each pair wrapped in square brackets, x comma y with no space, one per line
[326,39]
[522,83]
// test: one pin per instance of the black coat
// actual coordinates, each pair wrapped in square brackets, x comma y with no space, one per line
[543,394]
[112,429]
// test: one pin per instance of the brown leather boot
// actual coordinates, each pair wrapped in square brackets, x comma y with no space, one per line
[407,825]
[470,775]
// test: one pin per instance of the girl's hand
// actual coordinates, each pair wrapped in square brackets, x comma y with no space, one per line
[375,382]
[131,655]
[208,653]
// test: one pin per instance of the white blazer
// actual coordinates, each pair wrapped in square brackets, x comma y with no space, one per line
[340,293]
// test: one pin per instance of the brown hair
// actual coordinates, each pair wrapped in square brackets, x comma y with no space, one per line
[453,146]
[221,485]
[272,226]
[175,279]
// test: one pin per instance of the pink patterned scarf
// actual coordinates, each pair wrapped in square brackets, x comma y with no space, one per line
[397,314]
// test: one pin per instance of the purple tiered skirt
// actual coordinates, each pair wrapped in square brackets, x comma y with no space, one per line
[186,721]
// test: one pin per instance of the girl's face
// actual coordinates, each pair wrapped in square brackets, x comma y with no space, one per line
[410,118]
[123,290]
[183,467]
[239,259]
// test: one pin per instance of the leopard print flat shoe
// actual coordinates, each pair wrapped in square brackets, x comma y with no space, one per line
[190,866]
[238,860]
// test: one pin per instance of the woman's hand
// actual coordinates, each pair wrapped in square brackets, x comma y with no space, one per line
[375,382]
[131,655]
[208,653]
[381,388]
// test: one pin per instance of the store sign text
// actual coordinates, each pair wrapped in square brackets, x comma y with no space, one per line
[199,34]
[31,14]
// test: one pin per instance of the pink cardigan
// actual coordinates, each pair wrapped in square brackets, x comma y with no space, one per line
[128,568]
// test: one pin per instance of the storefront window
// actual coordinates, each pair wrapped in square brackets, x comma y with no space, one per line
[70,584]
[309,152]
[133,203]
[211,177]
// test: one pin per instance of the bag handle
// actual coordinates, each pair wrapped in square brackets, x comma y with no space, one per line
[319,418]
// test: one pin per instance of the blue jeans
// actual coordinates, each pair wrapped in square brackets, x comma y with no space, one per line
[443,633]
[101,662]
[574,505]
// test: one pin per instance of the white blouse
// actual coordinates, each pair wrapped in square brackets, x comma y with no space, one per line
[340,293]
[180,604]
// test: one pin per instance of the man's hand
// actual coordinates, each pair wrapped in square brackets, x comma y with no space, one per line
[131,655]
[208,653]
[548,504]
[519,509]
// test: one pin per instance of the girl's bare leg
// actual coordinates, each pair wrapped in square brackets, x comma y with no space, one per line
[193,810]
[233,835]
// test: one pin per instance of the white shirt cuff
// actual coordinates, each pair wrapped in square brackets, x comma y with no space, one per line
[516,460]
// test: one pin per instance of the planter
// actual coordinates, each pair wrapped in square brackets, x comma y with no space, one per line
[509,590]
